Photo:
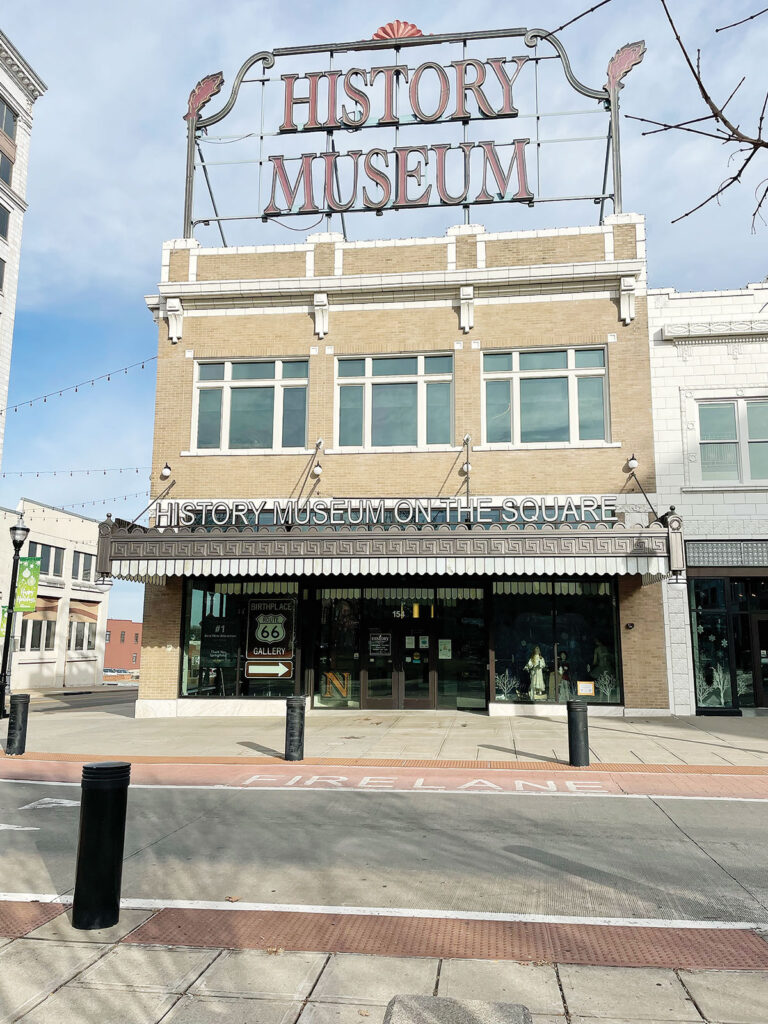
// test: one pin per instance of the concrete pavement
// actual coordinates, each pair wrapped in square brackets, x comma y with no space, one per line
[439,735]
[56,976]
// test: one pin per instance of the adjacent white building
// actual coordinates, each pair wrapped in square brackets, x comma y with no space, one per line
[61,643]
[709,362]
[20,86]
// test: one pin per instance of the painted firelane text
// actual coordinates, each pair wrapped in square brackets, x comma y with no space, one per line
[442,782]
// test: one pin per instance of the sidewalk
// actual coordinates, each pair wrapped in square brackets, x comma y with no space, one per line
[250,967]
[344,737]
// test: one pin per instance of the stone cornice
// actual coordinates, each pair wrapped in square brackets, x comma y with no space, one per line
[24,74]
[712,331]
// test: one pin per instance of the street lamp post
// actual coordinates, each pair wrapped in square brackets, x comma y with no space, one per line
[19,533]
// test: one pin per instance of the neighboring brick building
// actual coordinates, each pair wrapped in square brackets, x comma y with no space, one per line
[709,352]
[389,367]
[122,648]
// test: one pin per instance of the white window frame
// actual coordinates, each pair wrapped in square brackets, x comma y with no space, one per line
[367,381]
[227,385]
[25,636]
[571,372]
[691,404]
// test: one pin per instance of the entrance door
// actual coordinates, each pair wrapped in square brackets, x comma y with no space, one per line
[398,666]
[760,659]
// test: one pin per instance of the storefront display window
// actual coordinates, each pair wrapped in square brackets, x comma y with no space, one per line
[554,640]
[240,639]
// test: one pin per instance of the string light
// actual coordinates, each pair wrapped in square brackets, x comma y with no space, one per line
[72,472]
[104,501]
[75,387]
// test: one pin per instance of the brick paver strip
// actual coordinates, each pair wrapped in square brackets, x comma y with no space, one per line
[18,919]
[692,948]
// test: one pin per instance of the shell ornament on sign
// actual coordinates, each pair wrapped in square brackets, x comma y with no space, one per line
[397,30]
[622,62]
[205,90]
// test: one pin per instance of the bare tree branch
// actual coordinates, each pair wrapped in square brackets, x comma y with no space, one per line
[743,20]
[724,129]
[733,180]
[578,17]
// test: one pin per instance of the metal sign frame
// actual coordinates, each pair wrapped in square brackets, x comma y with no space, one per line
[390,38]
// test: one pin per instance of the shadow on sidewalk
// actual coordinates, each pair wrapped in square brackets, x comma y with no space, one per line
[267,751]
[513,755]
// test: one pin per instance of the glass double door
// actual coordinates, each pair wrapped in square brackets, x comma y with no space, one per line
[760,659]
[398,669]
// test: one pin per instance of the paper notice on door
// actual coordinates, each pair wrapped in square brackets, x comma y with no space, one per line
[410,643]
[444,649]
[424,642]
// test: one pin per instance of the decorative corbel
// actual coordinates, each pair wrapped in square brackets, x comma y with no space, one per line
[321,314]
[627,299]
[467,308]
[175,315]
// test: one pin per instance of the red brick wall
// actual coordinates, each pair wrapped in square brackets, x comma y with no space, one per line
[119,655]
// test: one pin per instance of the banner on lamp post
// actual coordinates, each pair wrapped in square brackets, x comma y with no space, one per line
[3,621]
[26,586]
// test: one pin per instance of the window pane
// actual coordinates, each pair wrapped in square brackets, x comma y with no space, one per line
[718,422]
[251,417]
[351,367]
[395,367]
[495,361]
[6,169]
[498,411]
[294,417]
[394,415]
[45,559]
[211,371]
[91,636]
[757,418]
[543,360]
[37,628]
[591,409]
[9,124]
[2,274]
[23,634]
[438,364]
[87,565]
[351,416]
[758,460]
[79,636]
[209,418]
[4,218]
[544,410]
[719,462]
[439,413]
[58,561]
[298,369]
[253,371]
[76,565]
[50,636]
[589,357]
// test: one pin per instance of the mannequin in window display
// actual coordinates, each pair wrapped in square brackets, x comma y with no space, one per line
[564,678]
[535,667]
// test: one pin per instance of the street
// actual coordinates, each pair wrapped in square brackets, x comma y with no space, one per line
[596,857]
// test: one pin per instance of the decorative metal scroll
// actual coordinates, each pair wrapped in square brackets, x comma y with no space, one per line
[340,104]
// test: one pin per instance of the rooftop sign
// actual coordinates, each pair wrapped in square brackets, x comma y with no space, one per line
[334,135]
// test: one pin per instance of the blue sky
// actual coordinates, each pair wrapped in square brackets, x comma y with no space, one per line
[106,188]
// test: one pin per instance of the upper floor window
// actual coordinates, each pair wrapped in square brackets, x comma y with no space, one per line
[537,397]
[733,440]
[122,636]
[5,217]
[107,636]
[2,274]
[82,635]
[251,406]
[135,638]
[394,401]
[51,558]
[82,566]
[6,168]
[37,635]
[7,120]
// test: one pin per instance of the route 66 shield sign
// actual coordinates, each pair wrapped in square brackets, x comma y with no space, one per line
[270,629]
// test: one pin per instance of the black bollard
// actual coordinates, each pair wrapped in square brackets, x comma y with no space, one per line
[578,733]
[104,798]
[17,724]
[295,709]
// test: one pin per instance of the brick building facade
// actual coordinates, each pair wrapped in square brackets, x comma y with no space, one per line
[400,477]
